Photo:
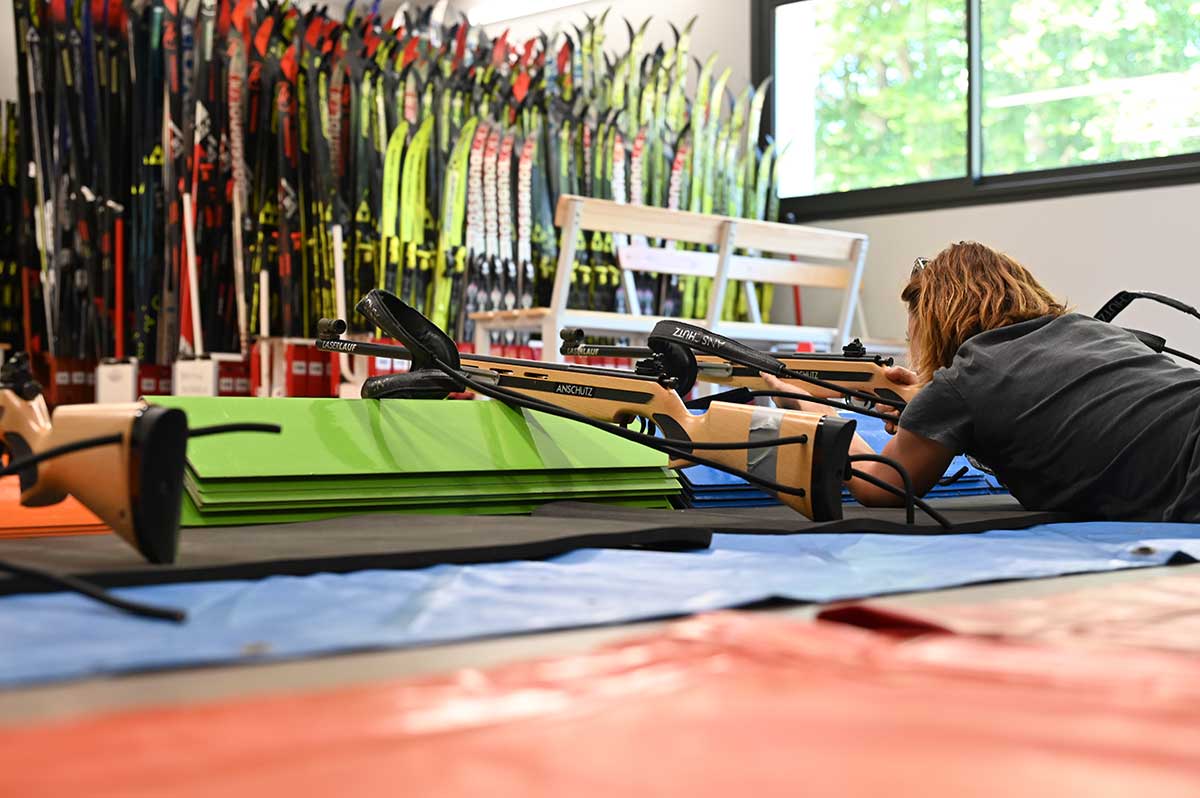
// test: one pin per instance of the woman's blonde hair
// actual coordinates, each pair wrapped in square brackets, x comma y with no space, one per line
[967,289]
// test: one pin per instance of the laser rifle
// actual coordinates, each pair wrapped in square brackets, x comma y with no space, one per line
[821,375]
[803,457]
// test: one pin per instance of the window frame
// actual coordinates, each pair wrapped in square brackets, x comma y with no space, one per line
[974,188]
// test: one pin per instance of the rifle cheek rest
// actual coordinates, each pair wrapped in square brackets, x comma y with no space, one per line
[425,342]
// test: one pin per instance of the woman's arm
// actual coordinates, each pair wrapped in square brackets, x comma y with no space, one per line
[925,460]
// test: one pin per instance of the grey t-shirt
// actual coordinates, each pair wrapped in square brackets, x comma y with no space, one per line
[1072,414]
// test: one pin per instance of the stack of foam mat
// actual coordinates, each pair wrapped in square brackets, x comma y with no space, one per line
[706,487]
[338,457]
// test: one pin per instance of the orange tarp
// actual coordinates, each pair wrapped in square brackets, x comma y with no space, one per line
[719,705]
[68,517]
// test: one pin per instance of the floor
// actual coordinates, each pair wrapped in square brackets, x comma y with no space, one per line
[206,684]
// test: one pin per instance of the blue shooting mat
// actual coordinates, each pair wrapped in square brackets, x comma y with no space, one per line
[50,637]
[709,487]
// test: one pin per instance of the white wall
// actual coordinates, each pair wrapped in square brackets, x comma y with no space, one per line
[723,26]
[1083,248]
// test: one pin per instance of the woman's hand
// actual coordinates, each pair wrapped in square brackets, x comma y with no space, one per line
[900,376]
[787,403]
[897,374]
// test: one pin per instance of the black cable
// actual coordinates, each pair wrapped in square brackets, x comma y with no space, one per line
[97,594]
[679,450]
[892,489]
[909,495]
[727,446]
[1184,355]
[676,443]
[220,429]
[17,466]
[909,491]
[955,477]
[86,588]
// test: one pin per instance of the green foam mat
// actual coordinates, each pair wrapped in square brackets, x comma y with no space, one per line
[346,437]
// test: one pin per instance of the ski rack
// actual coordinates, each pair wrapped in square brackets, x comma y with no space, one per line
[826,259]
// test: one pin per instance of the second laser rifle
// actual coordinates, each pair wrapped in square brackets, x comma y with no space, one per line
[855,369]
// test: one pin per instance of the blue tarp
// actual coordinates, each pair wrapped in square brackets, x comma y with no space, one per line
[51,637]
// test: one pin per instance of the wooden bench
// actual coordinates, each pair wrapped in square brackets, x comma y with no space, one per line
[822,259]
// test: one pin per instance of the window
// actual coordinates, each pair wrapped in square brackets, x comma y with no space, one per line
[886,105]
[870,93]
[1069,82]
